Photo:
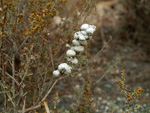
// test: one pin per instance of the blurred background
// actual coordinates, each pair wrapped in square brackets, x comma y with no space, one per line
[37,42]
[128,23]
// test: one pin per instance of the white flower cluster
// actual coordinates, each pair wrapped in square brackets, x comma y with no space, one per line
[80,40]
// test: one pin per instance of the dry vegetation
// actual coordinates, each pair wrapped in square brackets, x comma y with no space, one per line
[33,38]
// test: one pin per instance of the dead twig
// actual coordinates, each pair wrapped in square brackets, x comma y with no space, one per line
[24,103]
[11,77]
[46,95]
[46,107]
[95,55]
[13,82]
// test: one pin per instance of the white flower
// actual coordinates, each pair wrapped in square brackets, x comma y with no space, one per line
[84,27]
[90,31]
[73,60]
[70,53]
[83,42]
[65,67]
[75,42]
[93,26]
[80,40]
[81,37]
[56,73]
[86,37]
[83,32]
[76,35]
[78,48]
[57,20]
[67,45]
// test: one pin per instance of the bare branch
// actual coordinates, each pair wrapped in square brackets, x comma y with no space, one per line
[11,77]
[46,107]
[24,103]
[46,95]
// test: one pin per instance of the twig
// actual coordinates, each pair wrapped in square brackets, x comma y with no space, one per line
[28,61]
[46,107]
[23,43]
[102,76]
[11,77]
[46,95]
[13,82]
[95,55]
[40,103]
[49,91]
[2,43]
[102,48]
[7,95]
[32,108]
[52,57]
[35,88]
[108,70]
[24,103]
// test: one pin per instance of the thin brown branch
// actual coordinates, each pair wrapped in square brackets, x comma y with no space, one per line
[13,82]
[46,107]
[33,108]
[24,103]
[2,43]
[11,77]
[99,52]
[20,84]
[41,102]
[49,91]
[52,60]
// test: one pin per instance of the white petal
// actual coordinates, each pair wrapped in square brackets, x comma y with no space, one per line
[86,37]
[81,37]
[56,73]
[76,35]
[68,71]
[70,53]
[83,42]
[75,42]
[90,30]
[73,60]
[69,59]
[78,48]
[84,27]
[67,45]
[62,66]
[83,32]
[93,26]
[65,67]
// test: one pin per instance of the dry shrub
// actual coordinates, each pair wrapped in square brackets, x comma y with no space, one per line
[33,35]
